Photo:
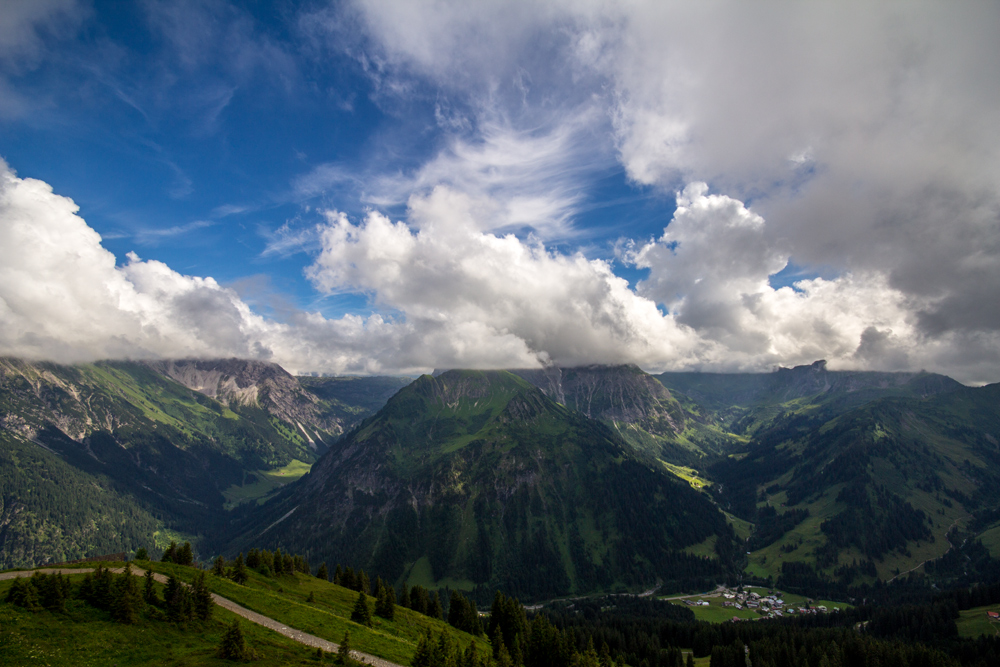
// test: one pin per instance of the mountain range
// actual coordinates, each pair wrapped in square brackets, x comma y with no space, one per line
[542,482]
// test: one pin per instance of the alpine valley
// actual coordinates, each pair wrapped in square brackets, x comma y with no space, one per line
[541,483]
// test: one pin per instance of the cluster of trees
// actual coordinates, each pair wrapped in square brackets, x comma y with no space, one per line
[121,595]
[277,563]
[463,615]
[385,604]
[348,578]
[445,651]
[422,601]
[182,555]
[516,642]
[41,591]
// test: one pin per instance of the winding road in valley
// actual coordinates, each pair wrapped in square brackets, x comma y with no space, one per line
[226,603]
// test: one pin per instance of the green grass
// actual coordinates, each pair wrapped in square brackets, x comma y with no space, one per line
[284,599]
[266,483]
[83,635]
[991,540]
[741,527]
[705,549]
[689,475]
[974,623]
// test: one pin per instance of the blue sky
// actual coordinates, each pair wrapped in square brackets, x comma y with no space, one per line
[393,186]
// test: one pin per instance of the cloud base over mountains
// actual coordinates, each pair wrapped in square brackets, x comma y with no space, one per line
[459,296]
[859,142]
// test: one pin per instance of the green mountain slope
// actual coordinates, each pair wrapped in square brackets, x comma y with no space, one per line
[478,479]
[870,492]
[50,510]
[178,440]
[638,407]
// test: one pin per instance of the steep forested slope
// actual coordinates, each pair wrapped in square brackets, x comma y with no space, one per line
[478,479]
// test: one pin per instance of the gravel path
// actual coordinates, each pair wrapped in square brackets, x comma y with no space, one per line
[226,603]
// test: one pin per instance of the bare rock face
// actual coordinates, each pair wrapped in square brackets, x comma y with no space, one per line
[621,394]
[245,382]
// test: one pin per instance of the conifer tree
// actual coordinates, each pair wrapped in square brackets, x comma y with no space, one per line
[385,604]
[423,656]
[126,600]
[148,591]
[443,653]
[279,563]
[496,642]
[103,580]
[253,559]
[86,590]
[202,598]
[238,572]
[219,567]
[234,645]
[322,573]
[24,594]
[690,660]
[170,554]
[362,613]
[365,585]
[434,609]
[470,658]
[288,567]
[404,596]
[338,576]
[178,600]
[184,555]
[142,554]
[344,650]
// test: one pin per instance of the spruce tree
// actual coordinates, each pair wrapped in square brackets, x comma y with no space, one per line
[443,653]
[344,650]
[434,609]
[24,594]
[184,555]
[338,576]
[234,645]
[362,614]
[404,596]
[142,554]
[202,598]
[126,600]
[278,560]
[148,591]
[238,572]
[470,658]
[86,590]
[321,573]
[365,584]
[169,556]
[219,567]
[103,580]
[385,605]
[424,654]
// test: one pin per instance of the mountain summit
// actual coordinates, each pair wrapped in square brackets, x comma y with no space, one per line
[479,479]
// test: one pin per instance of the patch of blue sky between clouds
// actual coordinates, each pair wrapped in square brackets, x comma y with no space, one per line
[793,273]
